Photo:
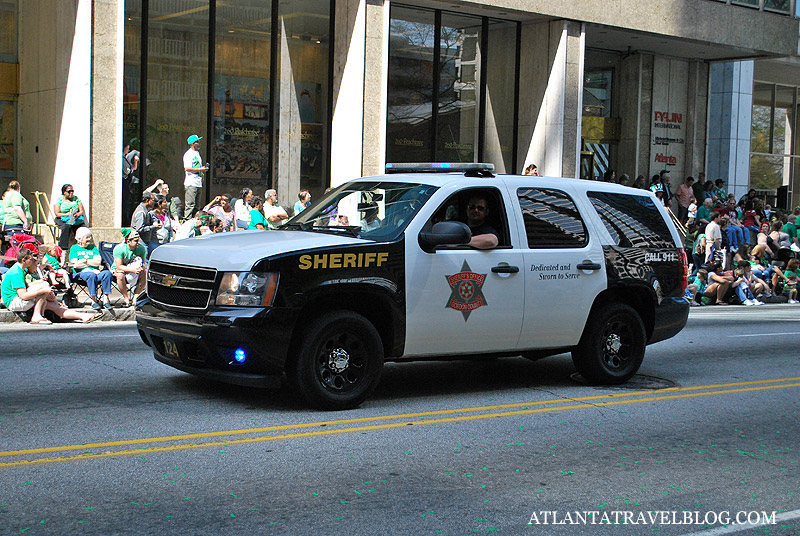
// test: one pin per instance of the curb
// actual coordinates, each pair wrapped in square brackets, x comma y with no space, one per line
[118,314]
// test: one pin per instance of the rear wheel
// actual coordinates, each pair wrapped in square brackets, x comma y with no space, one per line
[612,346]
[339,362]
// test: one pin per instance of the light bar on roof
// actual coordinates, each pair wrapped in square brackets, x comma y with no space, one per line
[437,167]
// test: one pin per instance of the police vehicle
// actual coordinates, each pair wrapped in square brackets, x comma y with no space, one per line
[378,269]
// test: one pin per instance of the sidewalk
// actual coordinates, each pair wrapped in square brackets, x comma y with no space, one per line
[119,313]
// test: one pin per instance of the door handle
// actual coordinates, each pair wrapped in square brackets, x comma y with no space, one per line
[505,269]
[588,265]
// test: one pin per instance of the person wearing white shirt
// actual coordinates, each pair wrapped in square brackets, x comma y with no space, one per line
[713,235]
[193,181]
[274,213]
[243,208]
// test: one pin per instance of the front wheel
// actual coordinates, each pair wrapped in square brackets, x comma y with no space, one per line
[339,362]
[612,346]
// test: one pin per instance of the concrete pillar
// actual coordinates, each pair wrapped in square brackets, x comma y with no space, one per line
[106,129]
[348,90]
[729,114]
[376,63]
[697,113]
[54,114]
[551,89]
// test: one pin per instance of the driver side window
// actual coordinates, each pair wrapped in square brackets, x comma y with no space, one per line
[455,209]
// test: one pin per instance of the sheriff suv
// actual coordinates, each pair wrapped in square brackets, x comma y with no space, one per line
[380,269]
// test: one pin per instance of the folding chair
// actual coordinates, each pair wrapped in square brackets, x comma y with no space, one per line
[76,289]
[107,254]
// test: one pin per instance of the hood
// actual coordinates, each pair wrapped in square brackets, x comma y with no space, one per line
[238,251]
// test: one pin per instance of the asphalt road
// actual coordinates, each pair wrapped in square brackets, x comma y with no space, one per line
[96,437]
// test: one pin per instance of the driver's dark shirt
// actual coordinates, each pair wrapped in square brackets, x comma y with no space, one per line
[484,228]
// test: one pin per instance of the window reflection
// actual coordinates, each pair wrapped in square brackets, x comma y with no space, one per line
[301,120]
[241,97]
[459,78]
[410,87]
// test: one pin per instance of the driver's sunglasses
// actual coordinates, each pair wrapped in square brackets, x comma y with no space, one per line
[480,208]
[70,191]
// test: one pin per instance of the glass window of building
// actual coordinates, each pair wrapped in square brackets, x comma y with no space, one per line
[410,87]
[452,88]
[781,6]
[8,86]
[774,150]
[241,97]
[301,119]
[500,94]
[131,103]
[458,92]
[177,88]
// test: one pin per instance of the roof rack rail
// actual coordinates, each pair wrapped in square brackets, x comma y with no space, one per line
[468,168]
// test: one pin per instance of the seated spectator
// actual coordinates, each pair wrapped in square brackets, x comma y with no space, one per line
[780,238]
[217,226]
[256,218]
[696,287]
[242,208]
[129,269]
[780,277]
[760,264]
[719,284]
[69,213]
[53,272]
[741,286]
[220,207]
[193,226]
[742,254]
[85,260]
[304,201]
[704,212]
[758,287]
[21,292]
[764,240]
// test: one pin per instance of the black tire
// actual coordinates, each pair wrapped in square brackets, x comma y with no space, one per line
[612,346]
[339,362]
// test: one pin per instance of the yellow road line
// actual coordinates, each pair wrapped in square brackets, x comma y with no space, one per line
[244,431]
[385,426]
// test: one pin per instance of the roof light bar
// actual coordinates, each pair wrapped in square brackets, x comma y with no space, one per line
[438,167]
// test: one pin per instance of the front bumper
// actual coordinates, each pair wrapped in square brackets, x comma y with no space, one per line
[205,345]
[671,315]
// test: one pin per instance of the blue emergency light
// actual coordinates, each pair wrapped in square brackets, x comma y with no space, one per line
[239,355]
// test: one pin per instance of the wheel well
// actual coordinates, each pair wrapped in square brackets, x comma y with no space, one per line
[641,299]
[374,308]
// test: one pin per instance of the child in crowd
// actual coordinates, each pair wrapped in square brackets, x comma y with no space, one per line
[741,286]
[692,208]
[52,271]
[696,287]
[790,287]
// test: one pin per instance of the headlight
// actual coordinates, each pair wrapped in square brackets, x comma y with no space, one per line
[247,289]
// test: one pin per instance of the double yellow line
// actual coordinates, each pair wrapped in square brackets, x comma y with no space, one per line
[16,458]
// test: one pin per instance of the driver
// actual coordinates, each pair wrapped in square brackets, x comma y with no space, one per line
[484,236]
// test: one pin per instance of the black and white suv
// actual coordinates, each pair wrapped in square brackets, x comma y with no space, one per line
[377,270]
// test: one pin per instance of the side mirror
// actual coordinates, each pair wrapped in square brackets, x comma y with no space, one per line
[445,233]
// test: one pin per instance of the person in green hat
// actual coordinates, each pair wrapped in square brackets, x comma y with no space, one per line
[129,269]
[193,181]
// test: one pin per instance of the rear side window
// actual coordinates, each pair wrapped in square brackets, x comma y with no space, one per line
[551,219]
[632,220]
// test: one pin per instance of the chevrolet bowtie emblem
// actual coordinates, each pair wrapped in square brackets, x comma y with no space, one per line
[169,280]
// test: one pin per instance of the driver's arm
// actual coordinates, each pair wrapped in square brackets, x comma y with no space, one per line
[484,241]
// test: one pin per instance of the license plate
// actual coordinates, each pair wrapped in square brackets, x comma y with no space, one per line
[171,349]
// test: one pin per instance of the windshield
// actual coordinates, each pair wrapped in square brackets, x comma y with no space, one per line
[376,210]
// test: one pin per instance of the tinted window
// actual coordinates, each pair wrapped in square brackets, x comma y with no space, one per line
[551,219]
[632,220]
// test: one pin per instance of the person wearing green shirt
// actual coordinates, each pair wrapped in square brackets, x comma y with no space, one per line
[20,295]
[85,260]
[16,209]
[791,229]
[69,213]
[704,212]
[257,219]
[129,257]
